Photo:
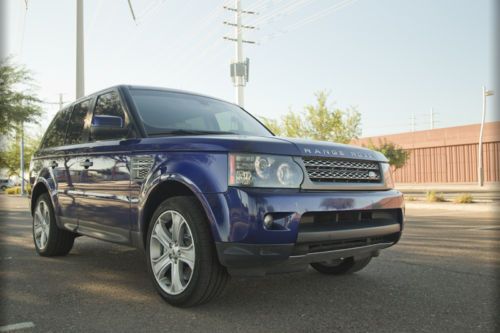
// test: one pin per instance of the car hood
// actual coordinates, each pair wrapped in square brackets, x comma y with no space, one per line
[261,145]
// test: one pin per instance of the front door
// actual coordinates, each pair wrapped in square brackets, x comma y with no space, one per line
[69,166]
[104,205]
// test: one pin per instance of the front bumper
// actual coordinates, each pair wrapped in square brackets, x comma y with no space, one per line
[258,260]
[308,227]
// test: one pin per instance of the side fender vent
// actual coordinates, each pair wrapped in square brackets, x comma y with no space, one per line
[140,167]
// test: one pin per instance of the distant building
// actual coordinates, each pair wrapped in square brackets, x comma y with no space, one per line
[446,155]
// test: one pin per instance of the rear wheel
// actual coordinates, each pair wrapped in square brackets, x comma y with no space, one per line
[49,239]
[341,266]
[181,254]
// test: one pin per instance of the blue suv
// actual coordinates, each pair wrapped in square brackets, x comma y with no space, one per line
[206,191]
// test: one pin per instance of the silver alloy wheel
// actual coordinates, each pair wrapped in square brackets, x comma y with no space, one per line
[172,252]
[41,225]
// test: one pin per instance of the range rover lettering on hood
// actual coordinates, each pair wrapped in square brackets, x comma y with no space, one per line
[331,149]
[340,153]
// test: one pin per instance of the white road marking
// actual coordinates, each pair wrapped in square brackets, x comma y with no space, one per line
[18,326]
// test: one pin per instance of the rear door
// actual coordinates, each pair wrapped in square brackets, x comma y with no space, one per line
[104,207]
[51,158]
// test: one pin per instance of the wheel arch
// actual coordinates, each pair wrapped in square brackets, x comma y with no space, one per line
[171,187]
[40,187]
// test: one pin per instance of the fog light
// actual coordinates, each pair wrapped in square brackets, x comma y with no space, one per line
[268,221]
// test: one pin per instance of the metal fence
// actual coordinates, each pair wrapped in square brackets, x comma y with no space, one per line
[446,155]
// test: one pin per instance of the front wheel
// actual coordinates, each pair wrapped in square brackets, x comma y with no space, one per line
[181,254]
[342,266]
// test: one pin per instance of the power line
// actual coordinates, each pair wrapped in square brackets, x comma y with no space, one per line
[288,8]
[131,10]
[202,46]
[320,14]
[193,40]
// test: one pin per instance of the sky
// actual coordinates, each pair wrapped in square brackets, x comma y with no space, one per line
[391,59]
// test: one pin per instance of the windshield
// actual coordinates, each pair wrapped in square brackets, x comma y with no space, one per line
[173,113]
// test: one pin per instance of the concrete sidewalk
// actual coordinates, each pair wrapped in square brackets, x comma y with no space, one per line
[488,192]
[448,187]
[479,207]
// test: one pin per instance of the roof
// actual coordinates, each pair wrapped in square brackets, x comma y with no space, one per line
[130,86]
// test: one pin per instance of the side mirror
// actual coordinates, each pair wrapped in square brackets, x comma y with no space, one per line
[107,128]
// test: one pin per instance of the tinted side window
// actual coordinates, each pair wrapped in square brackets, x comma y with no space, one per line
[54,136]
[76,123]
[109,105]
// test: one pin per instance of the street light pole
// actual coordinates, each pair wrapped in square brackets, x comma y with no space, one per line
[432,118]
[480,174]
[22,158]
[80,80]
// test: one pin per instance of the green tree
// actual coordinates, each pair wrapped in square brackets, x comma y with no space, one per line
[10,158]
[271,124]
[319,122]
[396,155]
[18,101]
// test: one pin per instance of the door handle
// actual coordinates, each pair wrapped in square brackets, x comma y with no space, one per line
[87,163]
[54,164]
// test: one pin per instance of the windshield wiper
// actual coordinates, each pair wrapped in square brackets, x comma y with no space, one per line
[188,132]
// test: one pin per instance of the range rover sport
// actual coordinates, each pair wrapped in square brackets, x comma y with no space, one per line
[206,191]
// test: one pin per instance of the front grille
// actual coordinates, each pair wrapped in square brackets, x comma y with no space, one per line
[334,170]
[317,222]
[332,220]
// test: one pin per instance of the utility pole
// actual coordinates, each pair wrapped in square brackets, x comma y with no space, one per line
[413,122]
[432,118]
[22,158]
[239,68]
[480,174]
[80,79]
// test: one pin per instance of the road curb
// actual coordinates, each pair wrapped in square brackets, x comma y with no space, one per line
[472,207]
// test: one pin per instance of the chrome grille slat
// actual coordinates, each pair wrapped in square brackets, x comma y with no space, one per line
[341,170]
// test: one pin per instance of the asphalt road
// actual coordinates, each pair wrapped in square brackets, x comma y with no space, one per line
[441,277]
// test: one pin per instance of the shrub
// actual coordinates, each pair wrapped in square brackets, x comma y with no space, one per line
[410,198]
[464,198]
[432,196]
[13,190]
[17,190]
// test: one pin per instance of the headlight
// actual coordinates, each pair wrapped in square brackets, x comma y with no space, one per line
[264,171]
[387,172]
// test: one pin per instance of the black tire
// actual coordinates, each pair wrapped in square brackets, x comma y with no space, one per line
[3,188]
[346,266]
[59,241]
[208,277]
